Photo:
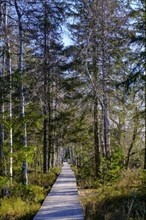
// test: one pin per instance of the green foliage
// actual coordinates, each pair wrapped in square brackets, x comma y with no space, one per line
[24,201]
[3,182]
[70,97]
[29,193]
[125,199]
[45,180]
[110,169]
[13,208]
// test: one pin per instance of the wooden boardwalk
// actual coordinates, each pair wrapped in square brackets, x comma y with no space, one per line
[62,203]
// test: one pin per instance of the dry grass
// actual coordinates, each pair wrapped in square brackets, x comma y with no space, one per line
[124,200]
[24,201]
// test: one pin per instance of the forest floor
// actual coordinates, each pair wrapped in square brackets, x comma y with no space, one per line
[23,202]
[62,202]
[122,199]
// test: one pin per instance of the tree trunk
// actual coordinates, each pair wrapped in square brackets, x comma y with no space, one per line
[131,146]
[10,109]
[45,147]
[50,145]
[106,120]
[3,169]
[96,113]
[45,72]
[101,136]
[9,72]
[96,139]
[1,13]
[24,166]
[54,124]
[145,117]
[45,154]
[2,165]
[105,92]
[132,141]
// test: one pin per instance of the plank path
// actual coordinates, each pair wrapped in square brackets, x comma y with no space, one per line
[62,202]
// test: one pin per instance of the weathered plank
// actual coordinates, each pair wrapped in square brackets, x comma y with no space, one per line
[62,203]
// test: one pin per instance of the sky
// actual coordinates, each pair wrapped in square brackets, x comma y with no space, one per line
[66,40]
[65,35]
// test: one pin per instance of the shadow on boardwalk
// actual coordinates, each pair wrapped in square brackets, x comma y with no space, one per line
[62,203]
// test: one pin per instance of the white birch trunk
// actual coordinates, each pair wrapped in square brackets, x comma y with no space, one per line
[10,114]
[3,170]
[9,72]
[24,166]
[3,166]
[105,91]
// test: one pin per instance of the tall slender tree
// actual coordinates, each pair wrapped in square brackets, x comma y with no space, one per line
[2,75]
[101,25]
[9,73]
[20,28]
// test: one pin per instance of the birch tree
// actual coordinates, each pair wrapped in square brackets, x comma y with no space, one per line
[20,28]
[9,73]
[2,70]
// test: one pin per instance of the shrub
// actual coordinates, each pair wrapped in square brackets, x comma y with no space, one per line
[124,199]
[24,201]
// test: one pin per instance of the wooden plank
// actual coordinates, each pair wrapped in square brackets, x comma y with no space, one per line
[62,203]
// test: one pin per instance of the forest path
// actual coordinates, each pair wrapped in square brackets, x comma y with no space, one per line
[62,203]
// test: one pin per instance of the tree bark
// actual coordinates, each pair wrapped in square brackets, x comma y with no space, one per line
[45,72]
[105,93]
[101,136]
[132,141]
[96,139]
[2,166]
[24,166]
[1,13]
[45,153]
[3,24]
[96,113]
[9,72]
[145,121]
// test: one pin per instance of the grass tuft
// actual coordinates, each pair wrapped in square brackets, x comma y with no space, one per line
[124,199]
[24,201]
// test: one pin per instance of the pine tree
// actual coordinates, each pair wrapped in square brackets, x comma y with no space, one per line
[98,31]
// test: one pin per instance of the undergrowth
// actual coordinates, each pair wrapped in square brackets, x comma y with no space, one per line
[122,199]
[23,202]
